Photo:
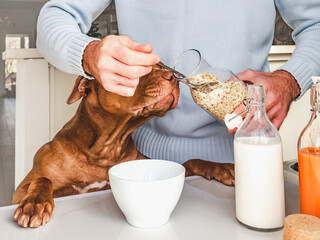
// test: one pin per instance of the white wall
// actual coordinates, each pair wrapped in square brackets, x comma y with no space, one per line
[41,108]
[61,111]
[32,113]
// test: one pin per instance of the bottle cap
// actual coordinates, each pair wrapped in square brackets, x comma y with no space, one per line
[315,79]
[315,96]
[232,120]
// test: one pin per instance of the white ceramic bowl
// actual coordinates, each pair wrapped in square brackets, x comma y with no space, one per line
[147,191]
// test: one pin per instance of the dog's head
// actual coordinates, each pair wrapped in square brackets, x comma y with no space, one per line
[156,93]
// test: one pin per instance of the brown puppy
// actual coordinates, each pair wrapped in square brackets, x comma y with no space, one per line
[77,160]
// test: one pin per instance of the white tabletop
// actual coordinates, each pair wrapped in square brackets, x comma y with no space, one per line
[206,210]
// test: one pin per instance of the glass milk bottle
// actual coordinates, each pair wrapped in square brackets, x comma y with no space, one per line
[259,181]
[309,158]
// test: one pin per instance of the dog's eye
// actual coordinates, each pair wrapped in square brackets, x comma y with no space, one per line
[159,67]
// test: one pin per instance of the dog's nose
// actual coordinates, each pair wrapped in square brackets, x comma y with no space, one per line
[168,75]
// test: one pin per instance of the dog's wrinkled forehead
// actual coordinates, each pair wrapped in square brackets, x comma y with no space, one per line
[152,89]
[152,84]
[157,93]
[157,75]
[154,76]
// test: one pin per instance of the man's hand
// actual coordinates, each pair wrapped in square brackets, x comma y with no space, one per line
[281,89]
[118,62]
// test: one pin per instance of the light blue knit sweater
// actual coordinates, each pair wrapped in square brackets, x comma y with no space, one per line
[236,34]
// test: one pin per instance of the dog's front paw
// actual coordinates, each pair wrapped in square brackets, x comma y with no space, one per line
[35,199]
[222,172]
[34,211]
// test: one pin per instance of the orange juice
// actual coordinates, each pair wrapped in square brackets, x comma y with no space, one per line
[309,180]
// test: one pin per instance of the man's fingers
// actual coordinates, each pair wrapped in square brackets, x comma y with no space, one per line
[146,48]
[127,41]
[116,79]
[131,57]
[130,71]
[127,82]
[118,62]
[232,131]
[118,84]
[124,91]
[132,53]
[246,75]
[111,65]
[240,108]
[277,116]
[121,90]
[277,121]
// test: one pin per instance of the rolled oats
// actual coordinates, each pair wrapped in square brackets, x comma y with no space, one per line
[217,97]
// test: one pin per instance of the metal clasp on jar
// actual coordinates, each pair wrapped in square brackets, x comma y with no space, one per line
[234,120]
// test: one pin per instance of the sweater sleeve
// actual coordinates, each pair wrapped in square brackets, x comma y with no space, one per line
[61,31]
[304,18]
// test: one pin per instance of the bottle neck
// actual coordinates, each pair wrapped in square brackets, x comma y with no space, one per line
[314,114]
[255,102]
[315,111]
[315,108]
[255,99]
[256,107]
[256,114]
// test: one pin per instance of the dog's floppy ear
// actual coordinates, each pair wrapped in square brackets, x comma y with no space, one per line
[79,89]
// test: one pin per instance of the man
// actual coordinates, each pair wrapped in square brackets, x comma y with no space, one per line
[234,34]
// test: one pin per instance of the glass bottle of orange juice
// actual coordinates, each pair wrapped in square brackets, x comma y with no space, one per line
[309,158]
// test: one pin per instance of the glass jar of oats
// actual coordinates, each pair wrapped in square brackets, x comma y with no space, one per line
[215,89]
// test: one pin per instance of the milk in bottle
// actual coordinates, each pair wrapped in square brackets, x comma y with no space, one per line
[259,182]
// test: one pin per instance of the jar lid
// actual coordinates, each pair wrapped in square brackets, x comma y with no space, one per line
[315,79]
[315,97]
